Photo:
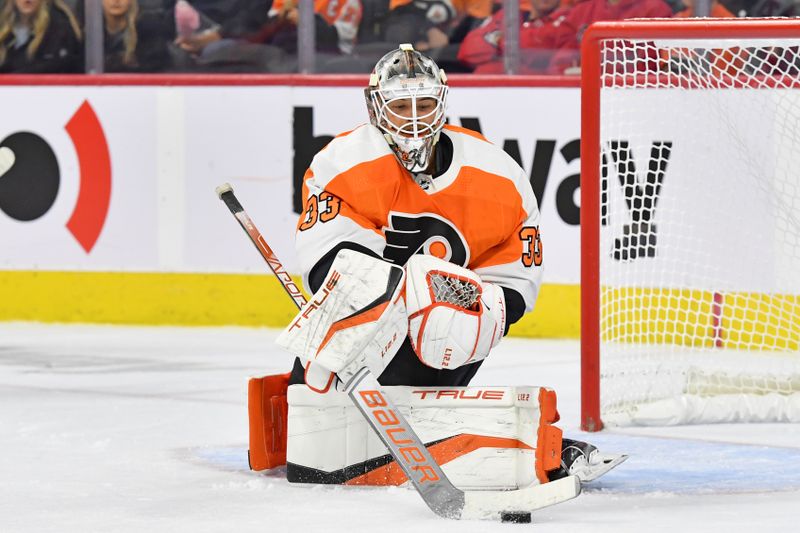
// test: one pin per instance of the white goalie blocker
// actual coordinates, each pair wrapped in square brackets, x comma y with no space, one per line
[490,438]
[357,318]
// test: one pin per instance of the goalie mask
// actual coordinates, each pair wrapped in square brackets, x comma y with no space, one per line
[406,101]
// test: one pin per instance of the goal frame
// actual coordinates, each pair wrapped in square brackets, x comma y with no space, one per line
[591,86]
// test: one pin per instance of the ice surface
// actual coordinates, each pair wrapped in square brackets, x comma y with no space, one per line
[123,429]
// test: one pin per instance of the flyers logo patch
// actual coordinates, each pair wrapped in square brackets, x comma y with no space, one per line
[424,233]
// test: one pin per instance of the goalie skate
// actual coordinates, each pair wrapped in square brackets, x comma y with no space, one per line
[585,461]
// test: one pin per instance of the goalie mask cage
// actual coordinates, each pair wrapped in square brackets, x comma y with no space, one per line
[690,222]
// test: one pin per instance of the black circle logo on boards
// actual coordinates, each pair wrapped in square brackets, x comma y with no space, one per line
[30,177]
[29,185]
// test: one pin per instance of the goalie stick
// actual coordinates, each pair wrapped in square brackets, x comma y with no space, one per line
[393,429]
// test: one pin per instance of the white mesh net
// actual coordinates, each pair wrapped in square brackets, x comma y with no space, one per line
[700,231]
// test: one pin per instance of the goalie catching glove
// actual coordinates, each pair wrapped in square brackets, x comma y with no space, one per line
[357,318]
[454,317]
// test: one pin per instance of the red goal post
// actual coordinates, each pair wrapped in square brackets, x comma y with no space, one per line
[631,64]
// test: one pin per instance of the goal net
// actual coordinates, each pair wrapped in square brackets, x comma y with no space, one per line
[690,200]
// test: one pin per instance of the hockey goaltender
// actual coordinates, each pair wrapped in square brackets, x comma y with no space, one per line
[421,244]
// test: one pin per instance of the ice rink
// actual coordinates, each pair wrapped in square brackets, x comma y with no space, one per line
[106,429]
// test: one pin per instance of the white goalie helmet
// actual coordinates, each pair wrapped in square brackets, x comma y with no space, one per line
[406,100]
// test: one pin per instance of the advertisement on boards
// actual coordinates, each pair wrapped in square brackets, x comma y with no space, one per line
[122,178]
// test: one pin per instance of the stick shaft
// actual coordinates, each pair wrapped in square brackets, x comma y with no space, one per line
[294,292]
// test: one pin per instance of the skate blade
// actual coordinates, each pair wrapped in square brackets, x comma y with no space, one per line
[607,462]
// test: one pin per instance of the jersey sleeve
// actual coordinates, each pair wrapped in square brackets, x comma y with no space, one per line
[516,263]
[333,214]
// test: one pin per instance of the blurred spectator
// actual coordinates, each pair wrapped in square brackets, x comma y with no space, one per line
[211,34]
[370,43]
[538,40]
[423,23]
[187,20]
[763,8]
[432,24]
[436,27]
[38,36]
[134,41]
[775,61]
[221,20]
[484,44]
[683,60]
[482,49]
[469,15]
[336,25]
[570,31]
[685,9]
[373,21]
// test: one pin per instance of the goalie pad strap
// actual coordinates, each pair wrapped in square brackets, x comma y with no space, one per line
[267,411]
[317,378]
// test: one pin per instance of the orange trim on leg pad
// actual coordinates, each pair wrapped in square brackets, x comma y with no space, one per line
[268,412]
[442,452]
[548,442]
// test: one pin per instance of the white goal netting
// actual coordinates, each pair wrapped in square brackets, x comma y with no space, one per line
[700,231]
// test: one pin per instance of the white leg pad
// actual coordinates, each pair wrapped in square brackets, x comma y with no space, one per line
[483,437]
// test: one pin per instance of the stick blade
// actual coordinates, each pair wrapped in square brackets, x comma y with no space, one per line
[492,505]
